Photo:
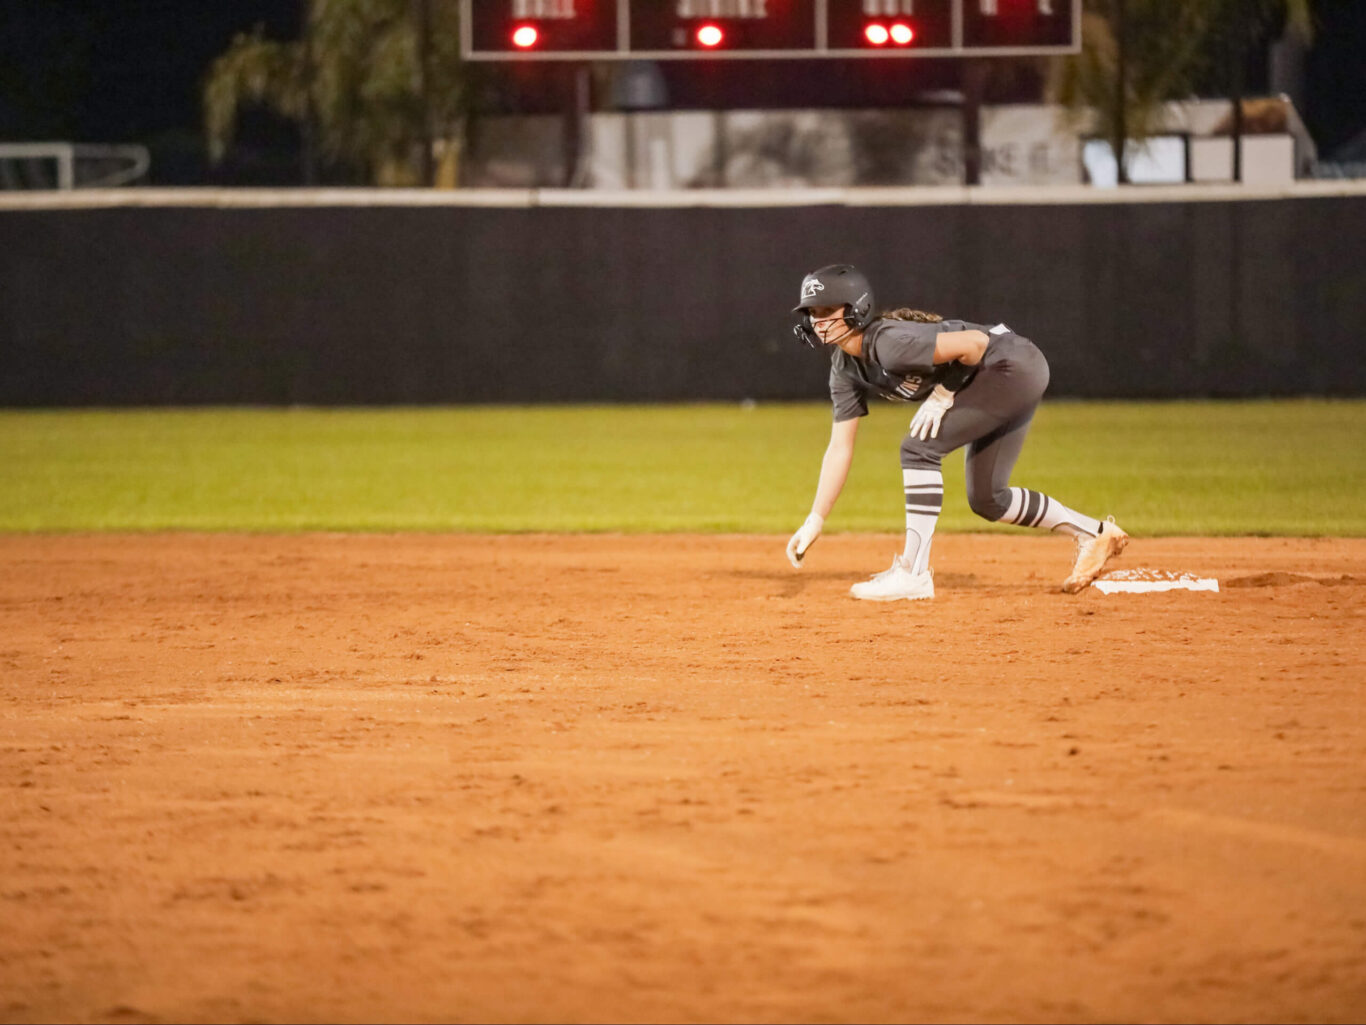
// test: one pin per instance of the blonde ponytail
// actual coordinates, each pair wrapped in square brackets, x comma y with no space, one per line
[906,313]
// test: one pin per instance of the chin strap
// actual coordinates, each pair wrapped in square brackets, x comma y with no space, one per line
[847,332]
[806,331]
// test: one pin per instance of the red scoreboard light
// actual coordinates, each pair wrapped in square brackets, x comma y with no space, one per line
[898,33]
[710,35]
[891,27]
[765,29]
[538,28]
[752,28]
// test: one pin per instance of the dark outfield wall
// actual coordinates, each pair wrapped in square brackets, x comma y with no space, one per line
[443,304]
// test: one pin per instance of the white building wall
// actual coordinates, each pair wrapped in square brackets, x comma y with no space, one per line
[1022,145]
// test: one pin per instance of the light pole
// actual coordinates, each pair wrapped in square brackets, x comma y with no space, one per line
[423,17]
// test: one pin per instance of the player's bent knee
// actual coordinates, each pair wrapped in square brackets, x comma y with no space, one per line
[989,505]
[919,455]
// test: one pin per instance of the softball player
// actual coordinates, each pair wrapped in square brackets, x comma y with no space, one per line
[978,386]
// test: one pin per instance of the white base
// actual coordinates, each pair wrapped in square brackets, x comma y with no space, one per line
[1142,581]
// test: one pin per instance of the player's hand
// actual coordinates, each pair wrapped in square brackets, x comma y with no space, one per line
[804,539]
[925,423]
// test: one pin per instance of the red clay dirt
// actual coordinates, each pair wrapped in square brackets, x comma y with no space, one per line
[668,778]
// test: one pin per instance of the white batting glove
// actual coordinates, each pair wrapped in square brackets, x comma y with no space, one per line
[804,539]
[925,423]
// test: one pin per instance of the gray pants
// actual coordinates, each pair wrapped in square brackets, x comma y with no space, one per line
[991,417]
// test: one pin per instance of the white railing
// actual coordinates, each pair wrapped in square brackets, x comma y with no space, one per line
[26,166]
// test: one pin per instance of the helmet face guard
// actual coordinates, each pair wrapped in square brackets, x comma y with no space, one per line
[806,334]
[838,284]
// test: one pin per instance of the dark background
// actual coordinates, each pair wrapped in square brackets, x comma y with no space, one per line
[129,71]
[432,304]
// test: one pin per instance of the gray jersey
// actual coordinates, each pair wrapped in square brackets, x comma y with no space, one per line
[897,364]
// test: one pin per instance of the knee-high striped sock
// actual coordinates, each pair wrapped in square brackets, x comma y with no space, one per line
[1035,509]
[924,499]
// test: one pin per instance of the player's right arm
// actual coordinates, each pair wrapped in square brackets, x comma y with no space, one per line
[839,456]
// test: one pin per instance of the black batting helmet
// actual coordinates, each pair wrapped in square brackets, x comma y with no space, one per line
[838,284]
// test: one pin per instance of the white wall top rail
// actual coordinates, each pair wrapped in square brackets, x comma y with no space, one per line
[955,195]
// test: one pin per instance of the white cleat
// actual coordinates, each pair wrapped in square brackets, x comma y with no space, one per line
[1092,555]
[896,583]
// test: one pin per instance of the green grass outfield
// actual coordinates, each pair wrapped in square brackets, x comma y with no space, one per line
[1264,467]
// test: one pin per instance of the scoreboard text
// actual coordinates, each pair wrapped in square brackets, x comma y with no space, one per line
[693,29]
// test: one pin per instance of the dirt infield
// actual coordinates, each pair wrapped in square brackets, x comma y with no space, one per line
[547,778]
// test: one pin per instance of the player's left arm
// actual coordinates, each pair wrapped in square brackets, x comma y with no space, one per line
[966,347]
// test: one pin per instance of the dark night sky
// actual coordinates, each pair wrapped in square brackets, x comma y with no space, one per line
[130,70]
[116,70]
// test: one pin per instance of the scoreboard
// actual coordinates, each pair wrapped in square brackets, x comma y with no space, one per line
[710,29]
